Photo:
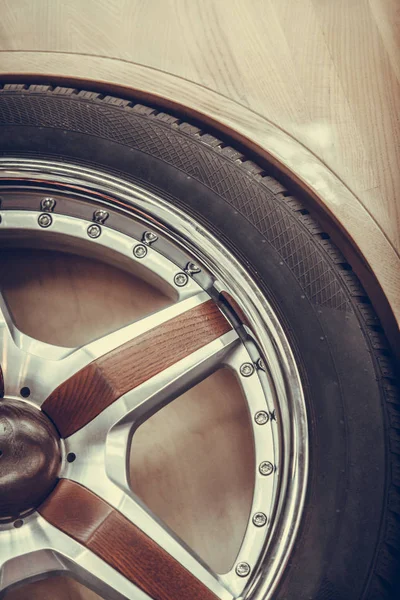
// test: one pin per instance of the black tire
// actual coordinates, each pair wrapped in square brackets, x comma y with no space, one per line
[348,546]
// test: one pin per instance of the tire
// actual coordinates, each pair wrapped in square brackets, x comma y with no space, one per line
[348,545]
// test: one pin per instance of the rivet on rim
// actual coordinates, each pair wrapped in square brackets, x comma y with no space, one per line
[45,220]
[259,519]
[266,468]
[149,237]
[261,417]
[181,279]
[247,369]
[93,231]
[140,251]
[191,268]
[100,216]
[48,204]
[242,569]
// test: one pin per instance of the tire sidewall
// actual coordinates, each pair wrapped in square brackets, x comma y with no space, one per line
[340,531]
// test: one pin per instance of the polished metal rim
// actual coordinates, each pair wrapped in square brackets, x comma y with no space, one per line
[60,205]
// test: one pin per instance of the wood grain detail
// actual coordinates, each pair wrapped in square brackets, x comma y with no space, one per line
[87,393]
[107,533]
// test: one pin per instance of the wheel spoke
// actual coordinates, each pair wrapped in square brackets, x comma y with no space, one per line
[27,362]
[104,472]
[7,324]
[126,359]
[116,424]
[8,346]
[29,566]
[112,536]
[42,549]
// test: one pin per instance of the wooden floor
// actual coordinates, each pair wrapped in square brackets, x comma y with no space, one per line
[313,85]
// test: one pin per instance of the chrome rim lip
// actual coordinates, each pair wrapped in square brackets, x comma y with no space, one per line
[270,336]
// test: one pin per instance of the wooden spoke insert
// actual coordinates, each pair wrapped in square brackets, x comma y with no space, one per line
[92,389]
[108,534]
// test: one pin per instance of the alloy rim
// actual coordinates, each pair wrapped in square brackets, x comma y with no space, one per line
[219,317]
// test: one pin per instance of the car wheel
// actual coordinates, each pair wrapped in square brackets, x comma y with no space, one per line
[256,287]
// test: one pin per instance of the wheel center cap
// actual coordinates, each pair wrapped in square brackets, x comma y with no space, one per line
[30,458]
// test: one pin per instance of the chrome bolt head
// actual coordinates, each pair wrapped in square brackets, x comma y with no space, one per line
[45,220]
[140,251]
[259,519]
[266,467]
[48,204]
[247,369]
[261,417]
[149,237]
[242,569]
[181,279]
[100,216]
[93,231]
[191,268]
